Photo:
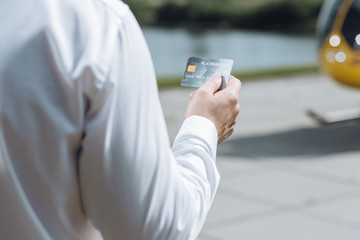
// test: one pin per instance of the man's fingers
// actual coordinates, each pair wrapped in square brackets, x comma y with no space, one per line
[233,85]
[213,84]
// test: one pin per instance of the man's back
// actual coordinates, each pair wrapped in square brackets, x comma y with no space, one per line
[47,47]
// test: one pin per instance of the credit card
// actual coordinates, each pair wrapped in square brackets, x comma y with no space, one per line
[199,69]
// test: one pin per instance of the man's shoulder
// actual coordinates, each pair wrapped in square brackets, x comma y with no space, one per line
[86,30]
[89,11]
[116,7]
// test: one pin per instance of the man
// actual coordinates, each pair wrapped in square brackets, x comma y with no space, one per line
[84,152]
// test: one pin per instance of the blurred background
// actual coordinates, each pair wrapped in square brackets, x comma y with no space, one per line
[250,32]
[291,170]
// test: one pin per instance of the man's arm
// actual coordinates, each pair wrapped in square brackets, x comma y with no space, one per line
[134,186]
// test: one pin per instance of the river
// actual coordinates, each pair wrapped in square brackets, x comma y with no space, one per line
[171,47]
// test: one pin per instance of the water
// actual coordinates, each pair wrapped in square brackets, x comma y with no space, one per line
[170,49]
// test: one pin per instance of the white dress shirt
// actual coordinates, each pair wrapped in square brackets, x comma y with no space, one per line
[84,150]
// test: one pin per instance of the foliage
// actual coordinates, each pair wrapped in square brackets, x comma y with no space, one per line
[142,9]
[255,14]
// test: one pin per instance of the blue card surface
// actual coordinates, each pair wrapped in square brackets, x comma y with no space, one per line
[199,69]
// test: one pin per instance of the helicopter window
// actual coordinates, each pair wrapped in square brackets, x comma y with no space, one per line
[327,18]
[351,27]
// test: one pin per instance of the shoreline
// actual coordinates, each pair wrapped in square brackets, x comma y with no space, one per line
[175,81]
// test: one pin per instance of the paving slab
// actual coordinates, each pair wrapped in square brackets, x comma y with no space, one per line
[227,207]
[345,166]
[345,212]
[285,187]
[284,226]
[233,167]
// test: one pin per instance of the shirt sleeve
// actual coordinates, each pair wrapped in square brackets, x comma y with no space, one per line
[133,184]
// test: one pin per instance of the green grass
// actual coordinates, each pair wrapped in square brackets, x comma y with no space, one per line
[166,82]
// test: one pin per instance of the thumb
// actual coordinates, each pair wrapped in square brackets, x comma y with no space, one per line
[234,85]
[213,84]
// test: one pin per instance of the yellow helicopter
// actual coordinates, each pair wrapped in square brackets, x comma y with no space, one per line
[339,50]
[339,35]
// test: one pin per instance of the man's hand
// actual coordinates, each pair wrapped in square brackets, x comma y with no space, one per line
[221,107]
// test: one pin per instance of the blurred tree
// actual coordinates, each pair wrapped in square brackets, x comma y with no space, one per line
[280,15]
[213,10]
[173,11]
[142,9]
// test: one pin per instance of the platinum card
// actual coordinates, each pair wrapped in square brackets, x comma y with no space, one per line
[199,69]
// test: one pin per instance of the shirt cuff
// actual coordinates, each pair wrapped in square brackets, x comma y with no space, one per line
[199,128]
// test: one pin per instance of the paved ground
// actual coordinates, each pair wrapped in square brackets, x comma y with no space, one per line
[284,177]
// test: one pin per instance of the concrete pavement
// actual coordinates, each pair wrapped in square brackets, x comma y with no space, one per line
[283,176]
